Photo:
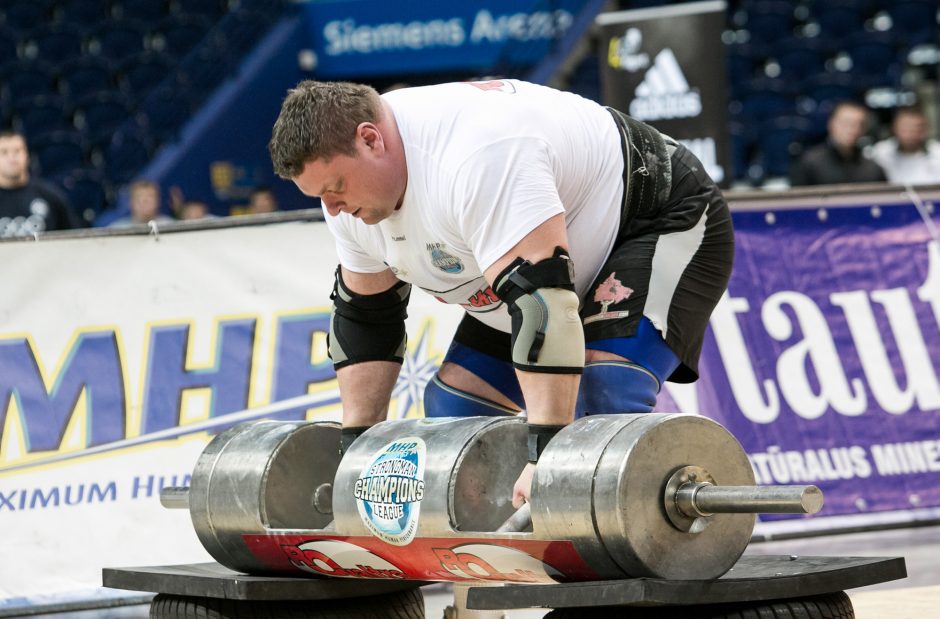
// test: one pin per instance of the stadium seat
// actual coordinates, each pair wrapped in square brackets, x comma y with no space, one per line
[87,191]
[86,14]
[118,39]
[769,21]
[141,73]
[763,98]
[27,79]
[59,152]
[915,20]
[177,36]
[125,156]
[8,43]
[742,145]
[53,43]
[799,58]
[144,10]
[242,29]
[875,60]
[781,141]
[85,76]
[829,88]
[98,115]
[24,15]
[212,9]
[838,19]
[42,115]
[163,113]
[743,59]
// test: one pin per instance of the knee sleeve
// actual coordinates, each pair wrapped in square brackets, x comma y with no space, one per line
[442,400]
[616,387]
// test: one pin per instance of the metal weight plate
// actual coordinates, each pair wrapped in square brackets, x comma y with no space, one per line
[629,506]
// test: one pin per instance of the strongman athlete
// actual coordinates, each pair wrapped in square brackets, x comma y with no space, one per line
[585,247]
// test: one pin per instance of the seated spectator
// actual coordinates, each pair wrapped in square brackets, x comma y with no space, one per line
[840,158]
[262,200]
[194,209]
[28,206]
[144,205]
[908,157]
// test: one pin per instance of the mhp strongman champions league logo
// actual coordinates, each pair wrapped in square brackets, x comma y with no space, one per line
[389,491]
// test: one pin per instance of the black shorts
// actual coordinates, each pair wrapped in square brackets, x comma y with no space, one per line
[671,263]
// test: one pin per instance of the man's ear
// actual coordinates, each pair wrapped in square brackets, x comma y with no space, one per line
[371,135]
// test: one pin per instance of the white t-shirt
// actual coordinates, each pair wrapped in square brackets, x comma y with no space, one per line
[918,168]
[488,162]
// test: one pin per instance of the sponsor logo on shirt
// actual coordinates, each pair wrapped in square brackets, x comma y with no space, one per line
[498,85]
[444,261]
[664,92]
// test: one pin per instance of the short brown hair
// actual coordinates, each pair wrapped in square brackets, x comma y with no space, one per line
[318,120]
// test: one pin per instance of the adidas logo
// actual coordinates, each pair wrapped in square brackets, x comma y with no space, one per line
[664,92]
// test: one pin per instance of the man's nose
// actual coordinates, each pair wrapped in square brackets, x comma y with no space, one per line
[333,207]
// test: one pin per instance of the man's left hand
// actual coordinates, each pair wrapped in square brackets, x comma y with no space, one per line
[523,486]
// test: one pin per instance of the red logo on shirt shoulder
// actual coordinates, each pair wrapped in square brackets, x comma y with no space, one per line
[500,85]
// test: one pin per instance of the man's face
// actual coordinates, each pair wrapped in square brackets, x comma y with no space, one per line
[847,126]
[910,130]
[14,160]
[145,202]
[263,202]
[367,185]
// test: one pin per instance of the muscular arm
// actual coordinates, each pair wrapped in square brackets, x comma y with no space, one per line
[366,388]
[550,398]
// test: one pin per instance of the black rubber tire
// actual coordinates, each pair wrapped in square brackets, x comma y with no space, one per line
[399,605]
[827,606]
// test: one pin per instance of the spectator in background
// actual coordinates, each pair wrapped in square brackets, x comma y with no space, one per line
[194,209]
[262,200]
[840,158]
[144,205]
[908,157]
[28,206]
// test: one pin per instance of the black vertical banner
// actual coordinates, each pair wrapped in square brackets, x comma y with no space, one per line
[666,67]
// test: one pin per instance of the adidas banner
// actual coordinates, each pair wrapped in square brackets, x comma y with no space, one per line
[665,66]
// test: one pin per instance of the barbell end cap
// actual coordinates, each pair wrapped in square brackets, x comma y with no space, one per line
[812,500]
[175,497]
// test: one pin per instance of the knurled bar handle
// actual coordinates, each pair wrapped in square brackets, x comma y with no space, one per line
[175,497]
[703,499]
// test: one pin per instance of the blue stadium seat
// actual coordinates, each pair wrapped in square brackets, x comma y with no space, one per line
[126,155]
[59,153]
[144,10]
[119,39]
[163,113]
[141,73]
[42,115]
[915,20]
[212,9]
[83,13]
[742,146]
[241,30]
[8,43]
[769,21]
[24,15]
[875,60]
[829,88]
[764,98]
[88,192]
[54,43]
[799,58]
[27,79]
[177,36]
[743,59]
[781,142]
[838,19]
[85,76]
[98,115]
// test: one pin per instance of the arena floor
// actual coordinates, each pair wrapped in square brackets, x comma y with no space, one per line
[915,597]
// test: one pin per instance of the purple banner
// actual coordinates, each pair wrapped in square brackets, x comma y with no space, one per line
[823,358]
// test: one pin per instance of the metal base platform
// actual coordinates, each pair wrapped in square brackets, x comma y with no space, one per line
[753,578]
[212,580]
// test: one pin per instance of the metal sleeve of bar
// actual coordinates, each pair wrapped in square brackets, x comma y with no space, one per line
[707,499]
